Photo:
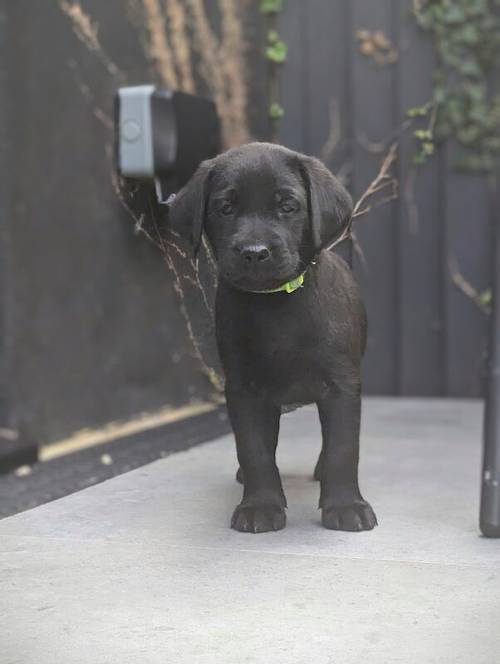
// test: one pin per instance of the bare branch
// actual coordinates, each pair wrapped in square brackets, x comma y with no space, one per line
[383,180]
[87,32]
[383,177]
[359,251]
[467,288]
[333,137]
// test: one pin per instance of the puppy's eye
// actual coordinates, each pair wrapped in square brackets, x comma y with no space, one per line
[287,207]
[226,209]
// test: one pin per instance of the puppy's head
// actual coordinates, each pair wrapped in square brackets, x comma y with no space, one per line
[266,212]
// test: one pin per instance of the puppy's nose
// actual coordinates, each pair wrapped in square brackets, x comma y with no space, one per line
[253,253]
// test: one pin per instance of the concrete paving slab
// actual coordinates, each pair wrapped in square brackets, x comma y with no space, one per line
[144,568]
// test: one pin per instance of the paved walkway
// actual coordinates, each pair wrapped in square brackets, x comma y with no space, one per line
[143,569]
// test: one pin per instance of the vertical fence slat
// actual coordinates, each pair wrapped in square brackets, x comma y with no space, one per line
[328,91]
[293,30]
[326,85]
[421,306]
[374,119]
[467,246]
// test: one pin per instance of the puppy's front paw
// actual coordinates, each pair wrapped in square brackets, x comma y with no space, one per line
[355,517]
[258,519]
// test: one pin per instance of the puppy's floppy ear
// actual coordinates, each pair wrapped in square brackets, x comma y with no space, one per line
[187,211]
[329,203]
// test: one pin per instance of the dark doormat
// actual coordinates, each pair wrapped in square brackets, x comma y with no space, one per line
[59,477]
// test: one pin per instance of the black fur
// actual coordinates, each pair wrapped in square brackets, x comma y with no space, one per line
[268,213]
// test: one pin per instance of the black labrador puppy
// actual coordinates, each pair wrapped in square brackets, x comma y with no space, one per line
[291,326]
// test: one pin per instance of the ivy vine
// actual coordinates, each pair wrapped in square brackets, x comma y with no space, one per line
[276,51]
[463,105]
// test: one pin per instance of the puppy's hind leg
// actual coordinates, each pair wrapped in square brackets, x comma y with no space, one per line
[343,506]
[256,425]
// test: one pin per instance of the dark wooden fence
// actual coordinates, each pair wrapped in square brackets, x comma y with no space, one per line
[92,325]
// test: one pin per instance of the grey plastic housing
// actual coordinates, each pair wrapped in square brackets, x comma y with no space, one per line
[163,135]
[145,118]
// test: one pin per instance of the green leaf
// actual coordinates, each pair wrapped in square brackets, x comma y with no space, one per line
[469,34]
[485,297]
[277,52]
[271,6]
[468,135]
[470,67]
[422,134]
[428,148]
[439,94]
[476,92]
[276,111]
[454,14]
[418,111]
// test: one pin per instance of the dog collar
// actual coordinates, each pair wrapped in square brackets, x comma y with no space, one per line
[289,287]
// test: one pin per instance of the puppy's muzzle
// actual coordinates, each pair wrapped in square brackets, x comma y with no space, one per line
[251,254]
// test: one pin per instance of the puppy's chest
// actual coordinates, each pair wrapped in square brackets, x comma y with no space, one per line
[287,349]
[284,351]
[286,367]
[280,346]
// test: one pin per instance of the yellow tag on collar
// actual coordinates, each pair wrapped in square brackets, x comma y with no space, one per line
[289,287]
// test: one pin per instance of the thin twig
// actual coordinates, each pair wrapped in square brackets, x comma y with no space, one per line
[383,180]
[87,32]
[466,287]
[359,252]
[333,137]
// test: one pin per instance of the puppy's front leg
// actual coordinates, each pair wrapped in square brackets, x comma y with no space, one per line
[256,425]
[343,507]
